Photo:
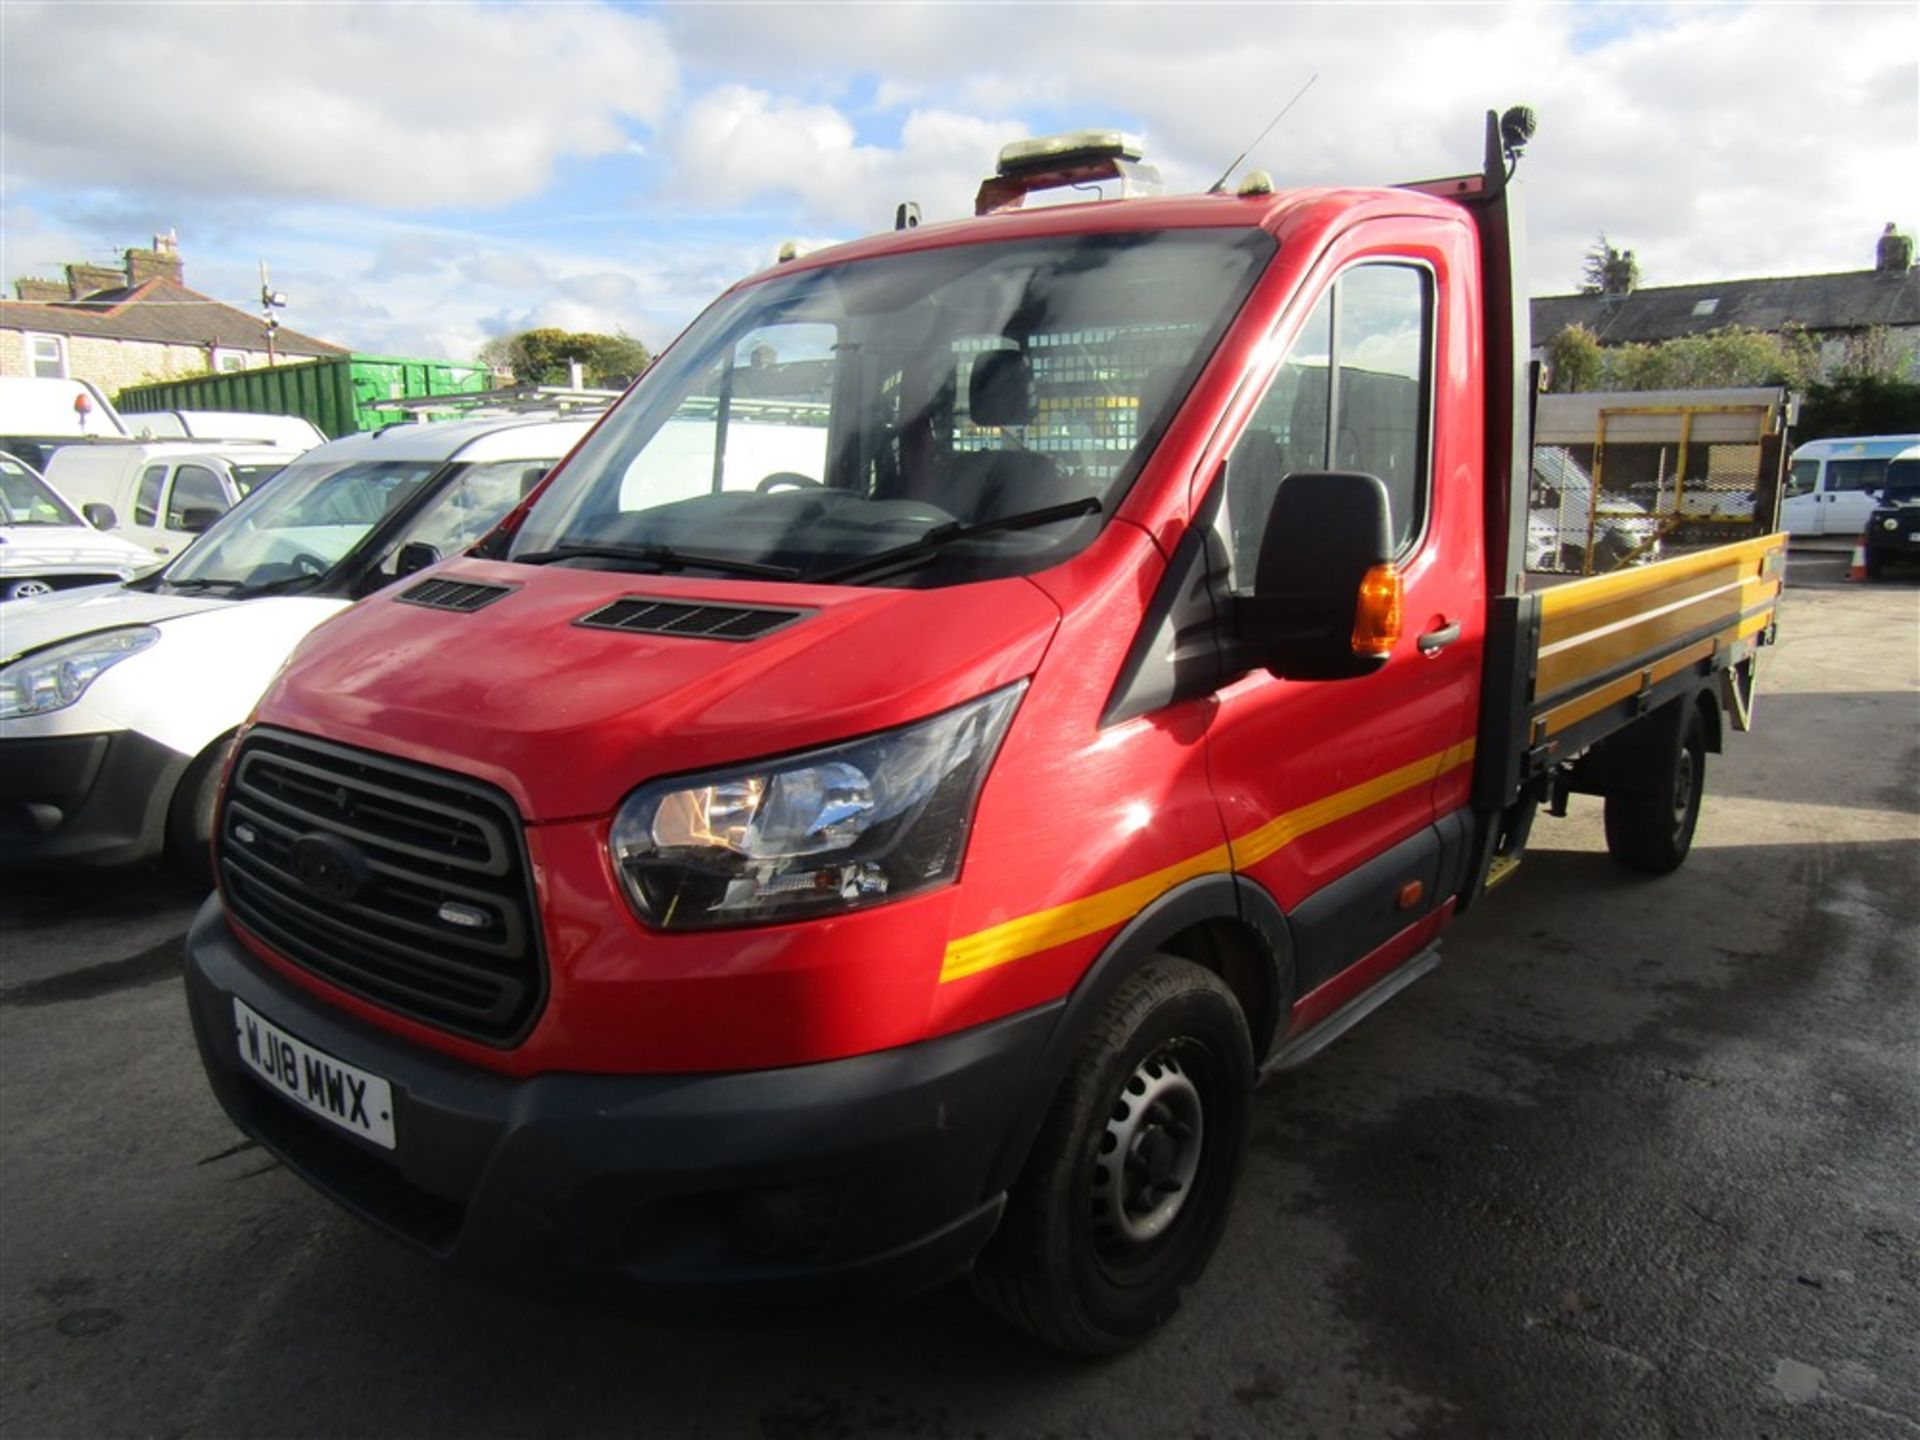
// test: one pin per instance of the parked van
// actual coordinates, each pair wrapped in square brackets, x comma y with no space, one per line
[161,494]
[38,417]
[117,705]
[45,546]
[1832,484]
[293,432]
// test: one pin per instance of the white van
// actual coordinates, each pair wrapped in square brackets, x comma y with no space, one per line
[45,546]
[290,432]
[117,705]
[160,494]
[1832,483]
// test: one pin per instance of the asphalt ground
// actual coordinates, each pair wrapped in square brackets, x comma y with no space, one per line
[1641,1158]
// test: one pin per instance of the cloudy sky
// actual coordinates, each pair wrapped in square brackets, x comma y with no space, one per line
[421,177]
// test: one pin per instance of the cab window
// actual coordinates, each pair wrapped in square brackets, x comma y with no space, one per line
[1804,476]
[195,487]
[146,505]
[466,510]
[1855,474]
[1354,393]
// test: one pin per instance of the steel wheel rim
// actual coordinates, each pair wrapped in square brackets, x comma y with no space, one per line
[1148,1155]
[1683,791]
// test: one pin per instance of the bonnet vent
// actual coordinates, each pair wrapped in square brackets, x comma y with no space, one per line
[454,594]
[640,615]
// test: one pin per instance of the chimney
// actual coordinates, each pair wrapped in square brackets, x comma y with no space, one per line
[162,262]
[1894,254]
[84,280]
[1619,274]
[41,290]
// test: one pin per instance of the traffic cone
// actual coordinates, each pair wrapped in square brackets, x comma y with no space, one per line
[1858,569]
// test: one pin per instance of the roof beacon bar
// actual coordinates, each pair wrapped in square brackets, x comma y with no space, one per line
[1050,162]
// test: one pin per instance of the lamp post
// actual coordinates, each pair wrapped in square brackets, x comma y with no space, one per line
[270,301]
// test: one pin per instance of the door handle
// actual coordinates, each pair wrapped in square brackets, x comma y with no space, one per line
[1434,641]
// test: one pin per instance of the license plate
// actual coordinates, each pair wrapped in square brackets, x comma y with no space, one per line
[357,1102]
[1913,537]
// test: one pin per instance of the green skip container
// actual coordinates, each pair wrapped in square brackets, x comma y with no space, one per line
[335,394]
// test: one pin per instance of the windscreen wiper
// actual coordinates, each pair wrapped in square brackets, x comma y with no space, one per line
[916,552]
[195,586]
[664,556]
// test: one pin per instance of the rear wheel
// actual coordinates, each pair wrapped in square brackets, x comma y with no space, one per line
[190,817]
[1130,1180]
[1651,831]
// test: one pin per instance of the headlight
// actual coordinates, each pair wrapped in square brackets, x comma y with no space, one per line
[1890,523]
[54,678]
[830,830]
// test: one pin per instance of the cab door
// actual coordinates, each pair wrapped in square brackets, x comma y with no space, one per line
[1340,797]
[1800,505]
[141,522]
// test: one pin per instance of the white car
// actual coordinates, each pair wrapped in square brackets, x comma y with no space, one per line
[162,494]
[45,546]
[118,703]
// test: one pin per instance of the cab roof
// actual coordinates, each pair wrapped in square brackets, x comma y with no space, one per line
[1280,212]
[500,437]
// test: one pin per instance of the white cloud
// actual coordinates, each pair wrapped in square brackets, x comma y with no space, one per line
[1719,141]
[402,106]
[736,145]
[1715,141]
[505,270]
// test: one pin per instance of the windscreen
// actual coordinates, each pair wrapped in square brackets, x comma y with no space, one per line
[301,525]
[26,499]
[1903,483]
[251,477]
[822,420]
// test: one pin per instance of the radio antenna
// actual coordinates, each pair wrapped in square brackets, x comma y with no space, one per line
[1221,184]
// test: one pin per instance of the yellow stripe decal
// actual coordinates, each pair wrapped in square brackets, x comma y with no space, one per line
[1283,830]
[1044,929]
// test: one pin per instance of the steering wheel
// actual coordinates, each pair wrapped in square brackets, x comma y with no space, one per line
[786,480]
[308,563]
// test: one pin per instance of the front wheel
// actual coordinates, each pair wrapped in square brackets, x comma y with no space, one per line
[1128,1186]
[190,816]
[1652,831]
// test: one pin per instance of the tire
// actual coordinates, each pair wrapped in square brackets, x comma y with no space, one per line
[1652,831]
[1876,564]
[190,816]
[1094,1251]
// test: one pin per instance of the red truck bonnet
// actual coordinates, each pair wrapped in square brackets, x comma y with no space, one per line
[567,719]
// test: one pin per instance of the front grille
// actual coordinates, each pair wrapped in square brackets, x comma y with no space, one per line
[641,615]
[21,587]
[462,595]
[350,864]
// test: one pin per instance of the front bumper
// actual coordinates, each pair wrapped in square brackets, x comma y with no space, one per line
[1901,542]
[85,799]
[857,1178]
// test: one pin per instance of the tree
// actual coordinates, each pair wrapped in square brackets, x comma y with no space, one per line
[542,356]
[1607,271]
[1730,357]
[1574,360]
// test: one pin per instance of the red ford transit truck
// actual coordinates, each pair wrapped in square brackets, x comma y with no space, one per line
[987,695]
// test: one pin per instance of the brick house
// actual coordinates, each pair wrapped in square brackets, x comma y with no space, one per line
[1838,310]
[120,327]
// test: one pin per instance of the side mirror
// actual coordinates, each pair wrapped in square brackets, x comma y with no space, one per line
[1326,598]
[99,515]
[195,519]
[414,557]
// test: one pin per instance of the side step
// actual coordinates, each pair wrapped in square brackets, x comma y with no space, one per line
[1304,1047]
